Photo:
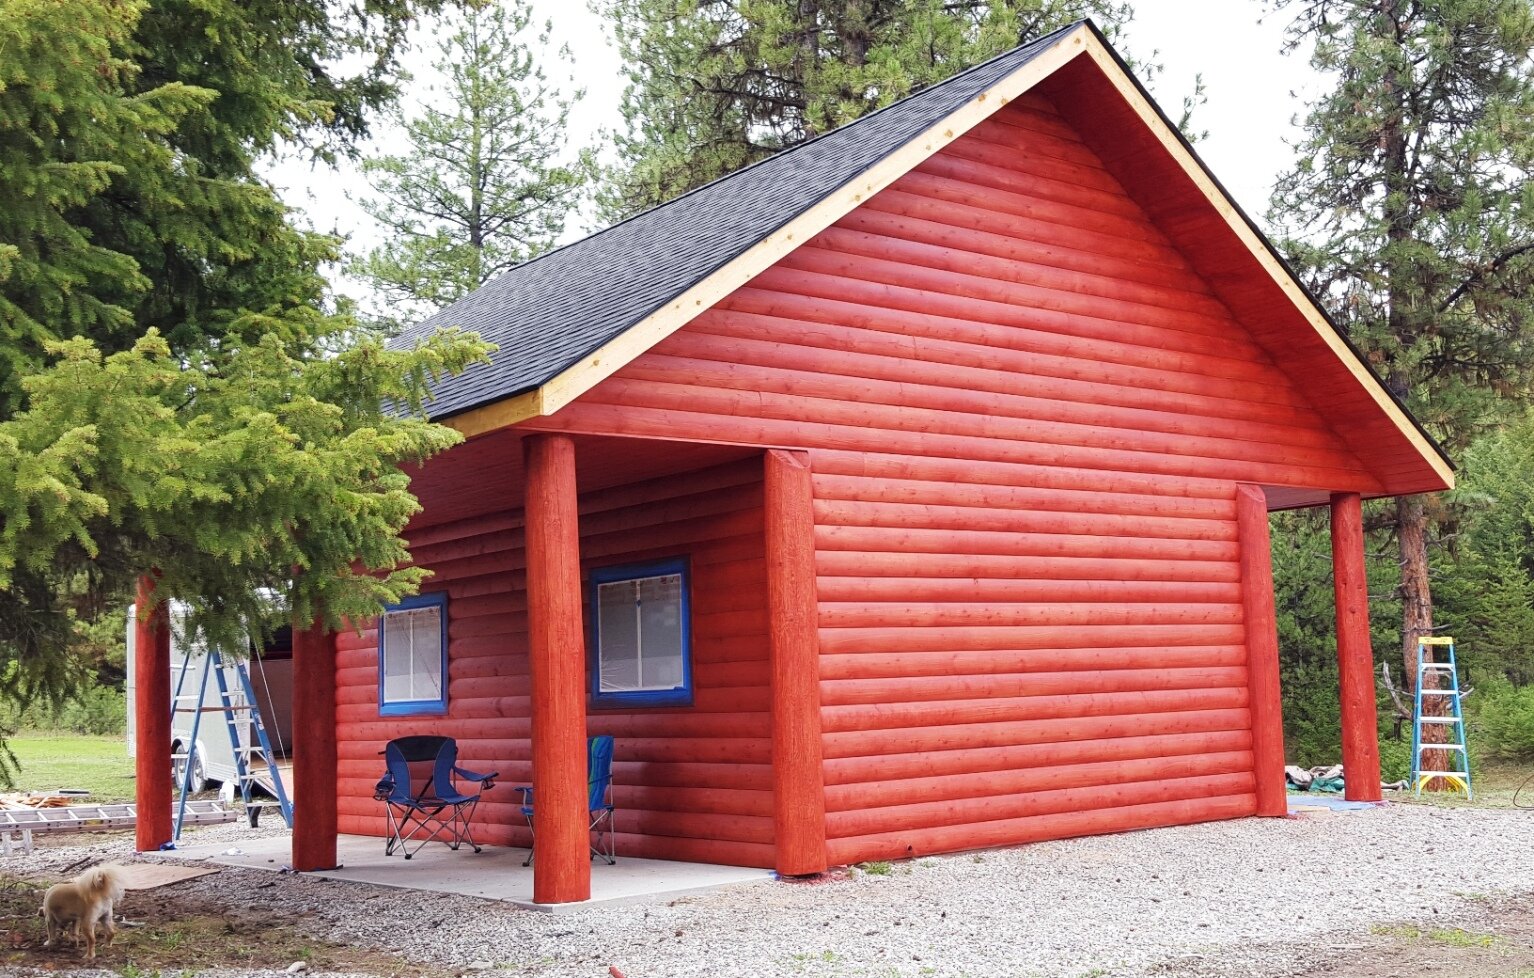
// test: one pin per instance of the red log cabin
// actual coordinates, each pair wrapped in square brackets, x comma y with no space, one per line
[903,493]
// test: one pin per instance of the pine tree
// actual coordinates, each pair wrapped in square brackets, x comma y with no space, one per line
[176,229]
[1411,213]
[715,85]
[1488,596]
[177,393]
[483,185]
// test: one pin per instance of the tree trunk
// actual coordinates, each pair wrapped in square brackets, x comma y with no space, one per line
[1416,597]
[1403,321]
[1417,622]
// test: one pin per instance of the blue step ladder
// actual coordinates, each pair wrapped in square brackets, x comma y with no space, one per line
[1437,681]
[247,737]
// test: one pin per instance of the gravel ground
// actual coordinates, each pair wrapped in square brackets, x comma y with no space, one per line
[1206,899]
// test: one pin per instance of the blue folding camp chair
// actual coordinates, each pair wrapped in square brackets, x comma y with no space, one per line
[419,790]
[599,783]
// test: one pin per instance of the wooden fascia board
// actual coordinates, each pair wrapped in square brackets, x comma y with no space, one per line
[1249,238]
[634,341]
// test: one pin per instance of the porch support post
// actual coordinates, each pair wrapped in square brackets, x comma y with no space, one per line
[314,749]
[798,781]
[557,662]
[1355,654]
[151,719]
[1261,650]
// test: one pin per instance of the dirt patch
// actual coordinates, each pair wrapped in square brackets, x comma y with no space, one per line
[1496,940]
[171,929]
[1500,944]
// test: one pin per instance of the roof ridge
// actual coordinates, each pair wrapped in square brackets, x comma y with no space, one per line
[779,154]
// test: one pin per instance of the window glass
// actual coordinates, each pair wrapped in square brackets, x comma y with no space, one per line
[620,635]
[411,662]
[660,622]
[641,635]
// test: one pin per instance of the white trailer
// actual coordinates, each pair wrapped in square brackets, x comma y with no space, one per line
[271,679]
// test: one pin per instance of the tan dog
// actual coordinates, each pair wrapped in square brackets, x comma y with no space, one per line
[83,904]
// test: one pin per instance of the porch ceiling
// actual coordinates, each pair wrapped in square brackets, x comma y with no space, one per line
[484,475]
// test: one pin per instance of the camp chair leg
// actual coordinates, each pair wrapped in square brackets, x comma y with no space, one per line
[463,814]
[418,826]
[602,824]
[531,842]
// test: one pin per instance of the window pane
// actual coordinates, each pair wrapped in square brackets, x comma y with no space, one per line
[426,644]
[660,616]
[412,659]
[618,642]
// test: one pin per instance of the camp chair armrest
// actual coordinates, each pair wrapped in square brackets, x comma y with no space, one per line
[486,781]
[384,789]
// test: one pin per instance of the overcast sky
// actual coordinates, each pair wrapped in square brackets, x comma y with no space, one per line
[1254,91]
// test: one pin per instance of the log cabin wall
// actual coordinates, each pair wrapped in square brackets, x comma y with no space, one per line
[693,783]
[1027,416]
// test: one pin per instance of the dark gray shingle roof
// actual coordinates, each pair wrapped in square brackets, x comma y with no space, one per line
[548,313]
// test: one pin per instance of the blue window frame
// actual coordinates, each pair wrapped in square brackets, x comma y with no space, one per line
[412,657]
[641,649]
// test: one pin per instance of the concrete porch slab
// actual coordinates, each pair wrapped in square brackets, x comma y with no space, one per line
[494,874]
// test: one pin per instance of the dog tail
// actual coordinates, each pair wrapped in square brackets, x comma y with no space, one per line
[101,881]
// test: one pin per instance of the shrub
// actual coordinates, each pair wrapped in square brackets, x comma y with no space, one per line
[95,709]
[1504,720]
[1395,759]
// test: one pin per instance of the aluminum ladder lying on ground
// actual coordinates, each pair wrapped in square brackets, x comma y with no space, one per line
[247,738]
[1431,669]
[17,825]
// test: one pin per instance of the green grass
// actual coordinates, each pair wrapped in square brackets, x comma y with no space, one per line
[1452,936]
[63,760]
[1494,781]
[879,868]
[1455,937]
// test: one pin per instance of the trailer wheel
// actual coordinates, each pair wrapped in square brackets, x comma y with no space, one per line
[178,769]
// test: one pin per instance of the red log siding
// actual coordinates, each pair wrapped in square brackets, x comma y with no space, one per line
[1027,416]
[691,784]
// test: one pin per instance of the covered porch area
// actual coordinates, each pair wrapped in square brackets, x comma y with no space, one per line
[516,528]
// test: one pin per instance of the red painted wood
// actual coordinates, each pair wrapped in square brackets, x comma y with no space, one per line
[1038,828]
[1005,590]
[314,755]
[1027,413]
[151,719]
[1089,103]
[556,657]
[1262,651]
[1000,709]
[848,779]
[857,689]
[799,810]
[666,759]
[1355,651]
[1009,733]
[1075,794]
[913,667]
[834,565]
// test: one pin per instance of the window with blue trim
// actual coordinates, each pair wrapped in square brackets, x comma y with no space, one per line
[642,654]
[412,656]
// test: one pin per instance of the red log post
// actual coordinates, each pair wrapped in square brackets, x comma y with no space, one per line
[1355,653]
[556,661]
[799,806]
[314,750]
[151,719]
[1261,650]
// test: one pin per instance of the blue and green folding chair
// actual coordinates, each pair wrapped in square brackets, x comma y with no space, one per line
[599,783]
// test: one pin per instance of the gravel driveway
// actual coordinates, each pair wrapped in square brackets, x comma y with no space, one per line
[1247,897]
